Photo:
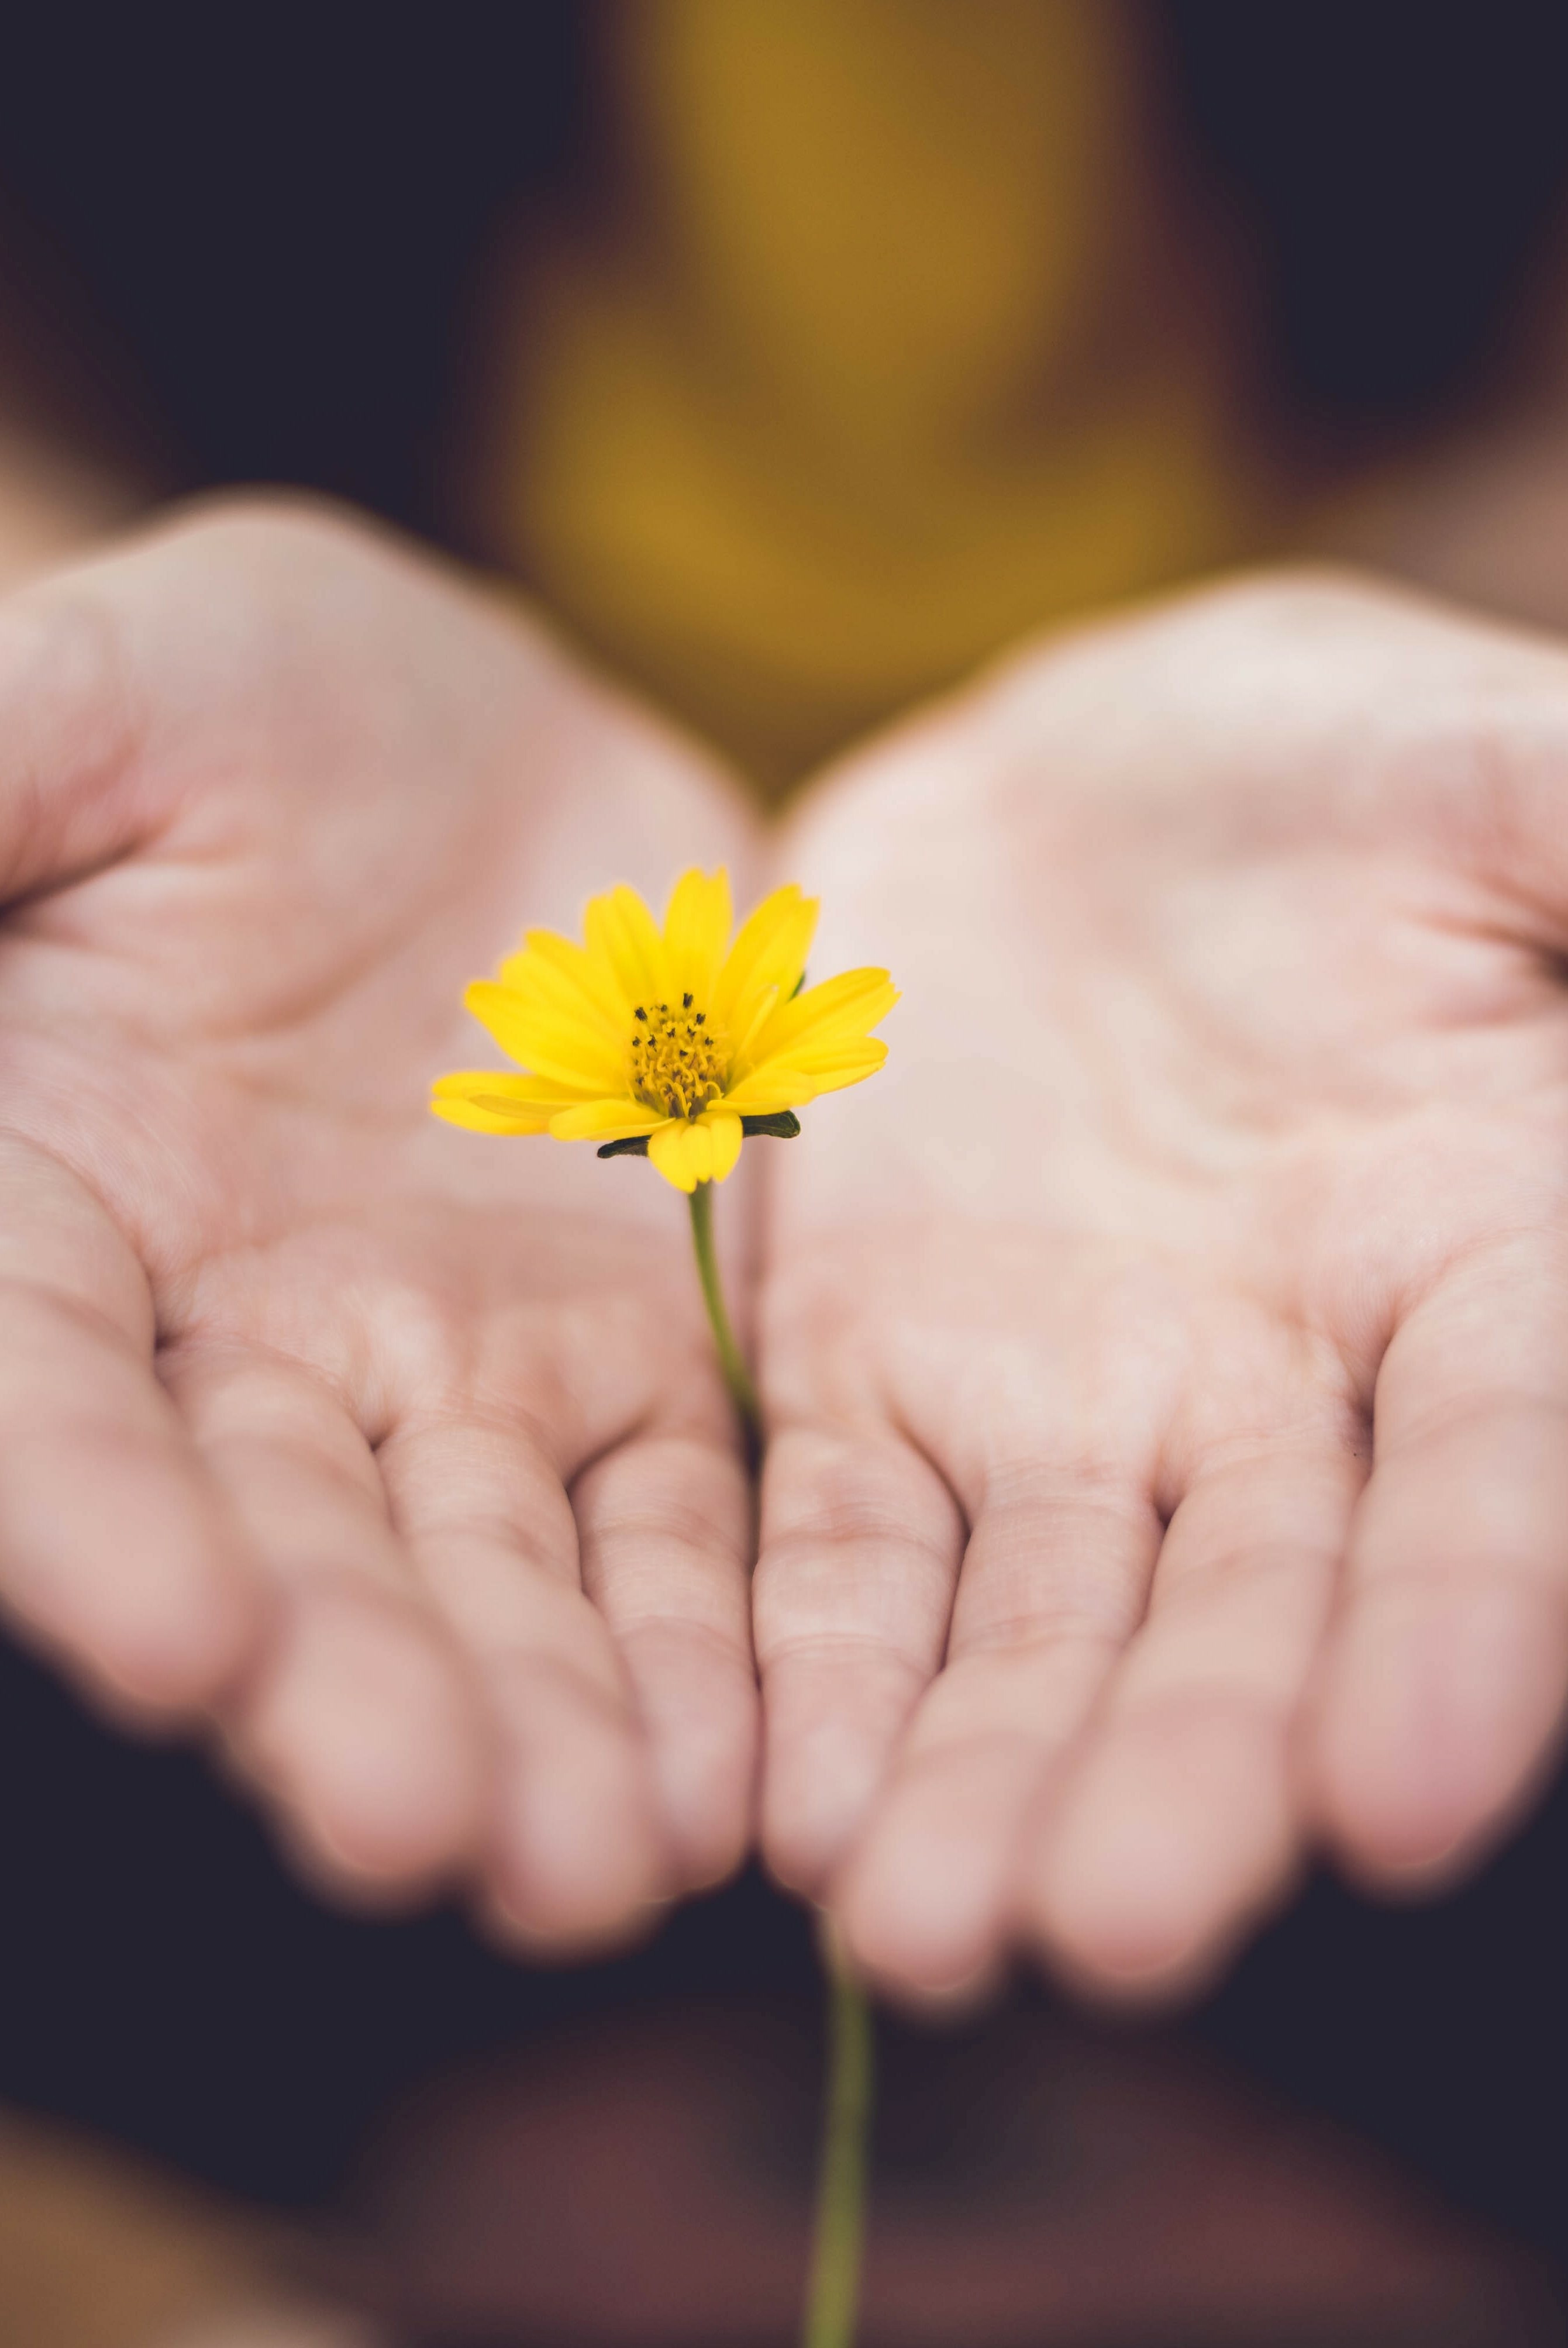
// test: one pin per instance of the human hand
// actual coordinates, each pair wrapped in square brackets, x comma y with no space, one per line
[1166,1356]
[401,1456]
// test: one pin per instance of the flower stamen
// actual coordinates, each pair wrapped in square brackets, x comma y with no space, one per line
[680,1066]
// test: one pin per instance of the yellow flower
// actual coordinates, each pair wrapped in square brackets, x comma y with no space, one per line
[675,1042]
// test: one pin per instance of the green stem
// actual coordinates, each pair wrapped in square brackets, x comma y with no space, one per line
[731,1360]
[832,2299]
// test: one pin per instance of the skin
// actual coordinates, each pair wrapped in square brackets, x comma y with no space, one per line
[1220,1158]
[393,1460]
[1165,1355]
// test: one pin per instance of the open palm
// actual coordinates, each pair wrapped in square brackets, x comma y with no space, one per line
[1167,1356]
[396,1453]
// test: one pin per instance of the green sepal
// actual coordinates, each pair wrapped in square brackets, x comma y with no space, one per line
[795,990]
[778,1124]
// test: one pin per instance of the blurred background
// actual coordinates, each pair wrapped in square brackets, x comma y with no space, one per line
[794,354]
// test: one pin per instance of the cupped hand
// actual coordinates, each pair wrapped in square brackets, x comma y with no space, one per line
[1168,1356]
[396,1453]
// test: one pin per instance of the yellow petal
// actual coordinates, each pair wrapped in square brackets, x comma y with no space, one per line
[725,1128]
[487,1101]
[476,1118]
[575,1052]
[839,1011]
[624,935]
[787,1084]
[776,1086]
[841,1064]
[531,1090]
[672,1153]
[697,931]
[552,971]
[549,1005]
[699,1151]
[605,1120]
[770,951]
[742,1057]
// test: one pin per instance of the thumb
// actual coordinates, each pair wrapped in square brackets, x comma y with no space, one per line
[72,795]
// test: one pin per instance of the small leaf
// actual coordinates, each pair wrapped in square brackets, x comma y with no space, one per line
[778,1124]
[795,990]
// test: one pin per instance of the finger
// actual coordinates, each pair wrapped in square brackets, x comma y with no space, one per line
[116,1551]
[859,1556]
[1445,1678]
[74,796]
[575,1851]
[1178,1821]
[666,1530]
[360,1723]
[1054,1582]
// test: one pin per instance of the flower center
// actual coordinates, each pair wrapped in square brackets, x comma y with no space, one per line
[678,1063]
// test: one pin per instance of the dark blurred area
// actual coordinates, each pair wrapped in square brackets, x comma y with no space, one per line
[1358,2140]
[254,233]
[255,246]
[166,1980]
[260,236]
[1397,171]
